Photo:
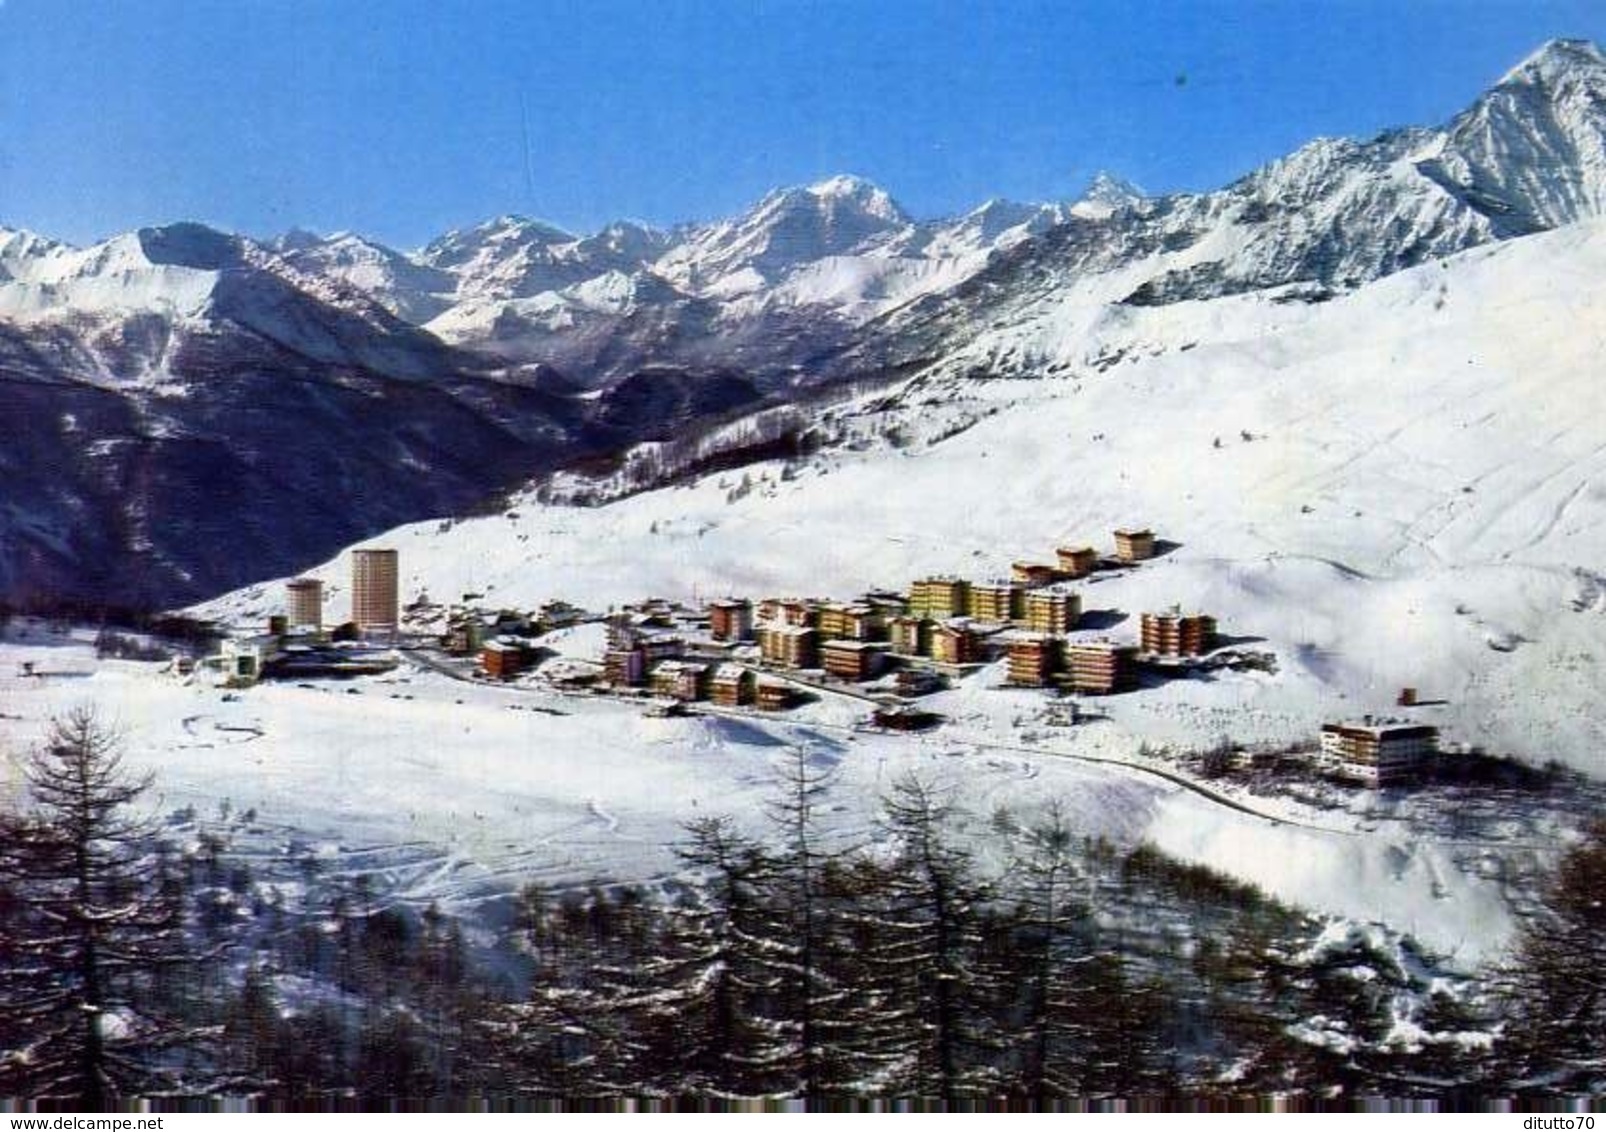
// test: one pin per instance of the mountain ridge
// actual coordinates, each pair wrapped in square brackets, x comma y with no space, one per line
[543,337]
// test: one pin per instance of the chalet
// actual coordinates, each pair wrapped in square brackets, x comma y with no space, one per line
[941,595]
[1033,573]
[730,619]
[1033,658]
[731,686]
[771,694]
[680,680]
[1077,561]
[1175,634]
[625,668]
[955,642]
[911,636]
[1378,752]
[856,661]
[997,600]
[1053,609]
[1100,667]
[502,659]
[789,646]
[1134,546]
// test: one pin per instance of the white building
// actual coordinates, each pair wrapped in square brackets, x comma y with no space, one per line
[1378,752]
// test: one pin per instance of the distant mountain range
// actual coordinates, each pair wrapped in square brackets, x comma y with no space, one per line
[195,409]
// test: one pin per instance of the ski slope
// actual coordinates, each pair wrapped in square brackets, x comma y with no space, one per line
[459,794]
[1404,486]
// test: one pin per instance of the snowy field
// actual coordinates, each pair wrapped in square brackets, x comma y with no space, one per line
[459,793]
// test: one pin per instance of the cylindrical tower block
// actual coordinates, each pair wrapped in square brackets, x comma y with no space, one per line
[304,596]
[374,602]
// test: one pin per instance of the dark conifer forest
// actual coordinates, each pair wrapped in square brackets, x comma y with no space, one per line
[145,959]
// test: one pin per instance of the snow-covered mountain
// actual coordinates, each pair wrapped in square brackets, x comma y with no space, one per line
[188,409]
[782,283]
[809,272]
[424,380]
[1403,486]
[1334,215]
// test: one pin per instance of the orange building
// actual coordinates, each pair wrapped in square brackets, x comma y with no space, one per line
[855,661]
[730,620]
[1378,752]
[501,660]
[1178,634]
[1077,561]
[771,694]
[1033,658]
[375,604]
[304,597]
[1134,546]
[1100,667]
[680,680]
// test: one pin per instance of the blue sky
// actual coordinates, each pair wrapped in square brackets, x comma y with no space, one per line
[406,118]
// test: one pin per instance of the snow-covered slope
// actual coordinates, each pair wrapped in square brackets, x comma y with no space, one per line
[814,286]
[1404,486]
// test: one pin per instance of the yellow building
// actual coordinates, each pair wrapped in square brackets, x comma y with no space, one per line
[941,595]
[1032,573]
[849,623]
[998,600]
[1053,609]
[790,646]
[911,636]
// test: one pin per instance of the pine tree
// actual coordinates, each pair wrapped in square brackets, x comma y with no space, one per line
[90,926]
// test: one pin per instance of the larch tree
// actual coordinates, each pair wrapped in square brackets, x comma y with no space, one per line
[89,926]
[930,952]
[800,927]
[1052,1034]
[1555,983]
